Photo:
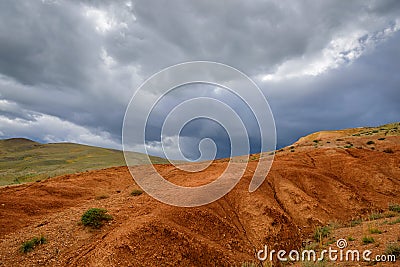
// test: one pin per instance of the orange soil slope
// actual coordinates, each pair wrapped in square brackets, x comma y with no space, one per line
[305,188]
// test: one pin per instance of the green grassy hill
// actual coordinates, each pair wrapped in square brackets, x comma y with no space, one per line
[23,160]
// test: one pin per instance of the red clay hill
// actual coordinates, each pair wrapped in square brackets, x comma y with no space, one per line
[335,176]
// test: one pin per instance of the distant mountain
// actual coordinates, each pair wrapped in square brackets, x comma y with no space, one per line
[23,160]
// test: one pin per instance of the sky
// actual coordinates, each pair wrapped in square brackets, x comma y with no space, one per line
[68,69]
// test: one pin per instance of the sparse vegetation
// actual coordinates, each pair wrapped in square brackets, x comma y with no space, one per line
[393,249]
[368,240]
[390,214]
[382,138]
[95,217]
[311,246]
[350,238]
[375,231]
[370,142]
[32,243]
[136,192]
[394,207]
[376,216]
[355,222]
[321,232]
[395,221]
[335,225]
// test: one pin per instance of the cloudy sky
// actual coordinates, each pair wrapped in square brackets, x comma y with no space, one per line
[69,68]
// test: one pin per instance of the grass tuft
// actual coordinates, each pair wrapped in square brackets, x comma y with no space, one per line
[395,221]
[355,222]
[393,249]
[95,217]
[368,240]
[32,243]
[394,207]
[321,232]
[375,231]
[375,216]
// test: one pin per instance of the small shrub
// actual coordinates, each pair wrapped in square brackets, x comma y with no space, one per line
[339,139]
[355,223]
[390,214]
[368,240]
[382,138]
[375,216]
[350,238]
[395,221]
[136,192]
[321,232]
[316,141]
[370,142]
[375,231]
[393,249]
[394,207]
[95,217]
[31,244]
[388,150]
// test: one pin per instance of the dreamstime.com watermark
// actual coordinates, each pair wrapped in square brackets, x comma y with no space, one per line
[340,253]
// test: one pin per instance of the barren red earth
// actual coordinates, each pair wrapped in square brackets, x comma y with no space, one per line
[310,184]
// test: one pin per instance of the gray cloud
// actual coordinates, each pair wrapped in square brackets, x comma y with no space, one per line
[322,65]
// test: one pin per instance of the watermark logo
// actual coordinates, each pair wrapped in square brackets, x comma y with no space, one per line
[138,132]
[340,253]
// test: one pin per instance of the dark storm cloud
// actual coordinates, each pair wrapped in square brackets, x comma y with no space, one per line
[75,64]
[365,93]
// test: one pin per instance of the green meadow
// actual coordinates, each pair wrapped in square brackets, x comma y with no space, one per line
[23,160]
